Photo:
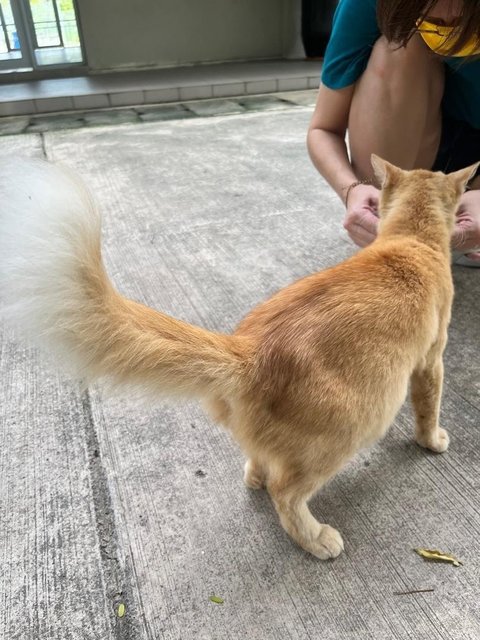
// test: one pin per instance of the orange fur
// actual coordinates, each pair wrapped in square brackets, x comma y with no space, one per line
[314,373]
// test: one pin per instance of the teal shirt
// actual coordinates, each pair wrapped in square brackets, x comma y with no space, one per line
[355,31]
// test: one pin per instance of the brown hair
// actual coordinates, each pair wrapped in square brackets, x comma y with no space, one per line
[397,20]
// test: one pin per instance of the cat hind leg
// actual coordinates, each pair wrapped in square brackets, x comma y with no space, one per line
[290,493]
[254,474]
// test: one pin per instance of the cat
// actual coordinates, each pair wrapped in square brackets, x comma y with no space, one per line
[308,378]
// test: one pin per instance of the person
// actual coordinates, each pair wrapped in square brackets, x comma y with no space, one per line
[402,78]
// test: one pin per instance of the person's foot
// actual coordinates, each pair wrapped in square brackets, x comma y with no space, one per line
[464,259]
[466,234]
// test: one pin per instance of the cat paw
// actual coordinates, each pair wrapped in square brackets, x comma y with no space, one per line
[253,476]
[437,442]
[329,543]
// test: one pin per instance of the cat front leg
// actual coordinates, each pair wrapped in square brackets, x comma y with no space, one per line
[426,391]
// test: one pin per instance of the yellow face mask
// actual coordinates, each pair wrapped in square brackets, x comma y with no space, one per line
[438,39]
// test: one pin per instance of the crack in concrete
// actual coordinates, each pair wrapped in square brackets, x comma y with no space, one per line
[43,145]
[117,586]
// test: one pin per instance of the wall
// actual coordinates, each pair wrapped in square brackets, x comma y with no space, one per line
[122,34]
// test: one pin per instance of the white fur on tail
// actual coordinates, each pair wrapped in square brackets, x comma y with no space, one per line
[55,289]
[47,219]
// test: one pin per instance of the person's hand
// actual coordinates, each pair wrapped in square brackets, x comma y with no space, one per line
[466,235]
[361,220]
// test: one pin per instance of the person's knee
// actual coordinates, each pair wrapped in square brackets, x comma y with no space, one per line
[395,110]
[392,64]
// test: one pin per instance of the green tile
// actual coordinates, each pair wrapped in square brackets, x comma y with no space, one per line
[164,112]
[41,124]
[10,126]
[264,103]
[305,98]
[102,118]
[205,108]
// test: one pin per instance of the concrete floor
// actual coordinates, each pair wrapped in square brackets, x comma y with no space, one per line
[105,501]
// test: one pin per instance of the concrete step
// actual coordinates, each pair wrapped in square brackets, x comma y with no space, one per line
[157,86]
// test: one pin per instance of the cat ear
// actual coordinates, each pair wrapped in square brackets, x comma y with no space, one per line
[460,178]
[384,172]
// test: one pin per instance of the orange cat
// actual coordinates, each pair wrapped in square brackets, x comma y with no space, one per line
[308,378]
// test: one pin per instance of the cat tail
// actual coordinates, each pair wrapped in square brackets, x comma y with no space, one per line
[54,287]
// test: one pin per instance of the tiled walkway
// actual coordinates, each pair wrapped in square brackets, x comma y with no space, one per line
[156,86]
[171,111]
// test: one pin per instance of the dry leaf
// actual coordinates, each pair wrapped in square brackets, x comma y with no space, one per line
[216,599]
[438,556]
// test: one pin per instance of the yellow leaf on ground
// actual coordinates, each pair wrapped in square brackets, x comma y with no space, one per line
[438,556]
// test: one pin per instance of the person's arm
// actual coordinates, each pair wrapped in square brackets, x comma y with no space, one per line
[328,151]
[354,32]
[326,138]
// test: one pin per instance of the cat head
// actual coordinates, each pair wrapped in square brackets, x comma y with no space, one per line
[420,185]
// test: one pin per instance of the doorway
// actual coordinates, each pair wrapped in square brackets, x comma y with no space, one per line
[39,34]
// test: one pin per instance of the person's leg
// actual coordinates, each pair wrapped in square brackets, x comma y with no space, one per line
[396,108]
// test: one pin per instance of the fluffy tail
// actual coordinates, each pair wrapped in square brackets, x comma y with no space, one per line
[55,288]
